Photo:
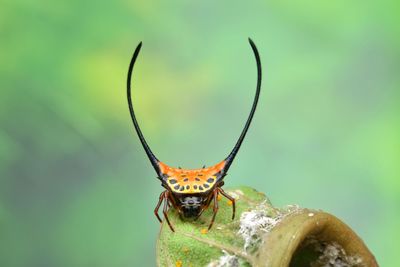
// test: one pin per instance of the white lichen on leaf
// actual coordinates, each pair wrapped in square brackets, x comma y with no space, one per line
[226,260]
[333,255]
[253,224]
[256,223]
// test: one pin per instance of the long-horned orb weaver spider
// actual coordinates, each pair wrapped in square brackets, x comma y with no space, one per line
[190,192]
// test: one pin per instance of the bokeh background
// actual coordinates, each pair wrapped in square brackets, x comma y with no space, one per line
[75,186]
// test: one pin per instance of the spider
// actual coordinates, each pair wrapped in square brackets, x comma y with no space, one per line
[191,191]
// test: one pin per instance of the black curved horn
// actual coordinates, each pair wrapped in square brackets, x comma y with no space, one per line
[235,150]
[154,161]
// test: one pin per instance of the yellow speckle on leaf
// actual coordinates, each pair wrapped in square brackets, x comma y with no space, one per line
[178,263]
[185,249]
[204,231]
[229,203]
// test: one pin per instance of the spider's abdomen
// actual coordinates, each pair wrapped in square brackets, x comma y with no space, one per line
[183,181]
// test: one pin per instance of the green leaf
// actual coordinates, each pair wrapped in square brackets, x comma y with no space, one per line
[260,235]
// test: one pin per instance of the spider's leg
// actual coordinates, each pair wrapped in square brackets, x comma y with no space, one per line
[215,207]
[204,207]
[165,210]
[172,203]
[201,212]
[161,198]
[231,199]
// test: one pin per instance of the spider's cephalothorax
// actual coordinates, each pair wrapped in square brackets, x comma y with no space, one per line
[190,192]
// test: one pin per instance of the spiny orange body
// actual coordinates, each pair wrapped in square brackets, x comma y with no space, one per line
[185,181]
[191,192]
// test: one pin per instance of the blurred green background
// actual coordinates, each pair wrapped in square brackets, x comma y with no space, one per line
[76,188]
